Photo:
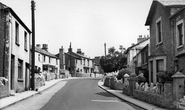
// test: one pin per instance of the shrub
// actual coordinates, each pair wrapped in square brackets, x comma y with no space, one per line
[107,81]
[122,72]
[112,82]
[165,76]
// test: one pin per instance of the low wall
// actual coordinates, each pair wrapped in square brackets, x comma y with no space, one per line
[4,90]
[149,97]
[125,90]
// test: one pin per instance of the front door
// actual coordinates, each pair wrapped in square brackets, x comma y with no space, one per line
[12,72]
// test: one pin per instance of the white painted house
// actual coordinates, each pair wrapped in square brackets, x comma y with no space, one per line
[132,51]
[47,62]
[18,40]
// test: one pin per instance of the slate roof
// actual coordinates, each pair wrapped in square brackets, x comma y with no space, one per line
[172,2]
[135,45]
[74,55]
[42,51]
[165,3]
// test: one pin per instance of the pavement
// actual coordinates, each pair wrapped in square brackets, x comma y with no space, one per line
[120,95]
[17,97]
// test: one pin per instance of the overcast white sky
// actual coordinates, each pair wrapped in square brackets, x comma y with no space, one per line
[87,24]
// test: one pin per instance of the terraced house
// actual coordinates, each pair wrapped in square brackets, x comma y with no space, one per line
[164,44]
[75,62]
[47,63]
[14,52]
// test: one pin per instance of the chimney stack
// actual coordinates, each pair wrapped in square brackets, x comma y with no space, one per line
[45,47]
[38,45]
[79,51]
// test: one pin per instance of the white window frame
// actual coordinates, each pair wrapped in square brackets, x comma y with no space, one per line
[177,33]
[157,37]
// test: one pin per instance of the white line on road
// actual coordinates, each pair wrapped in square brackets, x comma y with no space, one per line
[104,100]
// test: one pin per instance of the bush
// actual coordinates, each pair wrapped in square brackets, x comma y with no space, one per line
[112,82]
[122,72]
[165,76]
[107,81]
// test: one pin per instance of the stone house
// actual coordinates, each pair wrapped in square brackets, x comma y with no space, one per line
[47,62]
[14,51]
[161,42]
[177,32]
[75,62]
[132,51]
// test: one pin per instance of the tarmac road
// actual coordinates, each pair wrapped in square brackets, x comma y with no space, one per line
[84,94]
[74,94]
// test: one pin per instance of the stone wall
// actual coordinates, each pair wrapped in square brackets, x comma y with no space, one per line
[125,90]
[164,99]
[4,90]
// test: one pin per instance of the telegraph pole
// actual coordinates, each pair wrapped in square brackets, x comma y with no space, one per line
[105,49]
[33,46]
[70,50]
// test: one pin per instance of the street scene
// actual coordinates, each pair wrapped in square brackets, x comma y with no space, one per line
[92,55]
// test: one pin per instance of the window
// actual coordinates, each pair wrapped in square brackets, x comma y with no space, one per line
[49,60]
[160,65]
[56,61]
[16,33]
[180,33]
[44,57]
[20,69]
[159,30]
[25,40]
[39,57]
[151,68]
[143,58]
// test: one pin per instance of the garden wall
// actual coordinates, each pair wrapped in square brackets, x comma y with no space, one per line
[4,90]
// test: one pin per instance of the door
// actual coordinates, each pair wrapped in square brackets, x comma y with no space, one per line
[12,72]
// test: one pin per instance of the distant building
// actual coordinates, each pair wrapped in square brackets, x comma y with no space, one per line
[97,64]
[75,62]
[14,52]
[132,51]
[47,62]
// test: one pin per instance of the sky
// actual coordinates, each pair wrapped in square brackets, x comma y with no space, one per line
[87,24]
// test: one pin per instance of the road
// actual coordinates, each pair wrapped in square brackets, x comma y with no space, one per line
[77,94]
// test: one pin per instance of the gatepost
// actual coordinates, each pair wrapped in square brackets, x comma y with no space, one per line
[178,87]
[132,83]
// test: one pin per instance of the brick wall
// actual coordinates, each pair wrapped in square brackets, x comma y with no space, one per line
[164,13]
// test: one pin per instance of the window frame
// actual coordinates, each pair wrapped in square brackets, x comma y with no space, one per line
[25,41]
[157,65]
[17,33]
[180,22]
[159,20]
[20,70]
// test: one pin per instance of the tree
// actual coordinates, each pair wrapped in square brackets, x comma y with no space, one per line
[114,61]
